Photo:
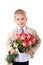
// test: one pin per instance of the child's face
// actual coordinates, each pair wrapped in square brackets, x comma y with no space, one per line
[20,20]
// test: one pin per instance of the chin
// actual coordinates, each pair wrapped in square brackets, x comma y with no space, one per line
[20,25]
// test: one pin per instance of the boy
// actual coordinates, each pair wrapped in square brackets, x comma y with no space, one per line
[21,19]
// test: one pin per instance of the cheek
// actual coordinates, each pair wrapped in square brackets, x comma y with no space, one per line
[24,22]
[16,21]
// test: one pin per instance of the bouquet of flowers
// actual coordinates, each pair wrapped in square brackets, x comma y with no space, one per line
[22,43]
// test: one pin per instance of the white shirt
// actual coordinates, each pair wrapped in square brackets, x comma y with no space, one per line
[24,28]
[22,57]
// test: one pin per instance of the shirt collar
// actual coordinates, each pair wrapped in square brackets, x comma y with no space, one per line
[24,28]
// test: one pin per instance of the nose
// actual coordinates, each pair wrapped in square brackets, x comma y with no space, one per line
[20,21]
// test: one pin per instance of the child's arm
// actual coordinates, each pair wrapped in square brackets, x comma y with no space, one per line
[36,45]
[9,42]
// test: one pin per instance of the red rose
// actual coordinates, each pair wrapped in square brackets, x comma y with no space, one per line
[18,36]
[29,36]
[25,43]
[30,43]
[33,39]
[23,37]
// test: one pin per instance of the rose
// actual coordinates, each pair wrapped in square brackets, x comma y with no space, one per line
[21,36]
[29,36]
[33,39]
[28,39]
[26,43]
[18,36]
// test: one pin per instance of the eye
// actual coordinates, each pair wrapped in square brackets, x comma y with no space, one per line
[22,18]
[18,19]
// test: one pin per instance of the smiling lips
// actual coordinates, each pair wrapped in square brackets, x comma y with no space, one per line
[21,24]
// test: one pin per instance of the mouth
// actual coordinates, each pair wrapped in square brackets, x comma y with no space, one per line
[21,24]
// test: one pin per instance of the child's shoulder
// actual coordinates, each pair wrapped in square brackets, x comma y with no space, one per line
[31,29]
[11,32]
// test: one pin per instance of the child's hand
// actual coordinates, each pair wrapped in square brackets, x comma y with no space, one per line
[29,51]
[12,51]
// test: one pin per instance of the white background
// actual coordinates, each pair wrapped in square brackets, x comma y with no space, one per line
[34,9]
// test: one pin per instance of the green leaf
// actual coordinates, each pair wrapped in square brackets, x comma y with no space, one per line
[28,48]
[21,48]
[10,58]
[19,41]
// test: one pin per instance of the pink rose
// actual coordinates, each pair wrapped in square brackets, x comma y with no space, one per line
[30,43]
[18,36]
[29,36]
[23,37]
[25,43]
[33,39]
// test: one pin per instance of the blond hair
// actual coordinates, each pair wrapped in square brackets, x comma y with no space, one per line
[20,11]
